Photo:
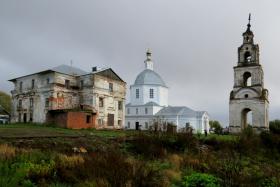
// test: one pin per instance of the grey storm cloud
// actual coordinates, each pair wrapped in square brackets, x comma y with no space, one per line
[194,43]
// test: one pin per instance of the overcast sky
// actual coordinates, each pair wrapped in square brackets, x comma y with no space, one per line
[194,43]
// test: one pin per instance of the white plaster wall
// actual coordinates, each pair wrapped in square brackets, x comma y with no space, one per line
[259,110]
[141,120]
[256,73]
[141,110]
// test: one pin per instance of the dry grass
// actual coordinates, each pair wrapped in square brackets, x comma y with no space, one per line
[172,175]
[7,152]
[176,161]
[70,161]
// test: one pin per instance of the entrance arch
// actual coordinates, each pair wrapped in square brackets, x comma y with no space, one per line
[246,118]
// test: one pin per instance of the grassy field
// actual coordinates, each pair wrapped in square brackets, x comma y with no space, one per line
[40,155]
[39,130]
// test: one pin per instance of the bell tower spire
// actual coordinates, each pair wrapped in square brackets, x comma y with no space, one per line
[249,22]
[248,52]
[148,62]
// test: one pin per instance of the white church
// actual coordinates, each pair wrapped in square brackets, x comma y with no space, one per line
[149,102]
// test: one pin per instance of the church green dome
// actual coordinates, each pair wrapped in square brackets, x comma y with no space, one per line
[149,77]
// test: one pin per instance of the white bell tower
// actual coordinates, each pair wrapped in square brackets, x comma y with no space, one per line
[248,94]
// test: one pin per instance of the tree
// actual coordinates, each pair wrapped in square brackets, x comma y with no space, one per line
[5,101]
[216,126]
[274,126]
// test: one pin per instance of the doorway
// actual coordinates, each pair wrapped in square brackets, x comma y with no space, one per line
[247,118]
[24,117]
[137,125]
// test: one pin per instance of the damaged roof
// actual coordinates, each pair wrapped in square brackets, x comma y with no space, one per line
[70,70]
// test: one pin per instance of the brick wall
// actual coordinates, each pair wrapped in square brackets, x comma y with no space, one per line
[78,120]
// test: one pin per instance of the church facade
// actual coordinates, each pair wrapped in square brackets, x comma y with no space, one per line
[149,103]
[248,94]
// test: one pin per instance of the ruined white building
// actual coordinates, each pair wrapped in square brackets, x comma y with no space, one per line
[70,97]
[248,94]
[149,102]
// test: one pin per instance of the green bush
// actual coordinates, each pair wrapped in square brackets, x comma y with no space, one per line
[218,129]
[247,132]
[11,175]
[268,182]
[274,126]
[200,180]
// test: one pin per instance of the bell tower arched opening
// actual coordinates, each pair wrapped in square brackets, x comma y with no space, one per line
[247,79]
[246,118]
[247,57]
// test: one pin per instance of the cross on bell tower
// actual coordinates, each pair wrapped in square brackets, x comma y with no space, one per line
[248,92]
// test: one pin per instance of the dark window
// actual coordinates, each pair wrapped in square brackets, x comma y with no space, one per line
[20,104]
[110,120]
[48,80]
[20,86]
[136,110]
[47,103]
[128,111]
[120,105]
[19,117]
[146,125]
[33,84]
[111,87]
[82,84]
[128,124]
[151,93]
[67,84]
[246,95]
[31,117]
[100,122]
[119,122]
[31,102]
[137,93]
[88,119]
[146,110]
[101,102]
[24,117]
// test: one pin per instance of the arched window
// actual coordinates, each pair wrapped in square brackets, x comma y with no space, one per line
[247,80]
[247,56]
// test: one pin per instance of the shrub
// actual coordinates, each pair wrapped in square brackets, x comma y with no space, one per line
[70,161]
[176,161]
[145,174]
[200,179]
[274,126]
[150,146]
[247,132]
[268,182]
[11,175]
[218,129]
